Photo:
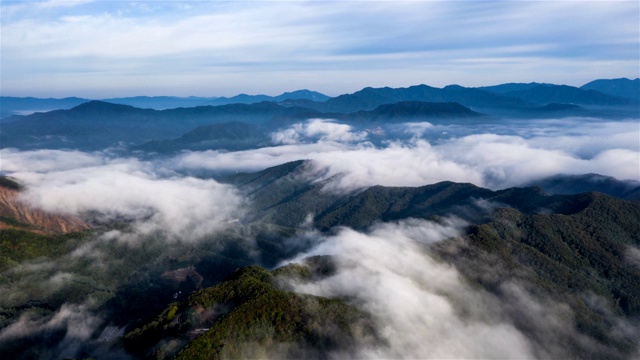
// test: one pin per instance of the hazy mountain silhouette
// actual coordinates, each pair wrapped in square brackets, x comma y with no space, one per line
[26,105]
[575,184]
[622,87]
[11,105]
[251,99]
[96,124]
[545,94]
[161,102]
[369,98]
[404,111]
[509,87]
[231,136]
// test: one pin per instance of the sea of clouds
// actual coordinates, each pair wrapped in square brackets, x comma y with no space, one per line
[422,305]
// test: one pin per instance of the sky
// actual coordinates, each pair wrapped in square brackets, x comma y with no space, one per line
[101,49]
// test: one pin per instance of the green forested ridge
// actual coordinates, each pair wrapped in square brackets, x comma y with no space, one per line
[247,316]
[576,256]
[18,245]
[288,194]
[123,282]
[574,259]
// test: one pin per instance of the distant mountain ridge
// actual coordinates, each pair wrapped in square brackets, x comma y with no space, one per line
[615,90]
[544,94]
[509,87]
[230,136]
[621,87]
[369,98]
[96,124]
[365,99]
[575,184]
[161,102]
[234,135]
[11,105]
[411,110]
[250,99]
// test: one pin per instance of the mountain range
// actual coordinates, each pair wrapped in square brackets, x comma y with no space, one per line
[163,250]
[95,125]
[548,242]
[597,92]
[287,194]
[25,105]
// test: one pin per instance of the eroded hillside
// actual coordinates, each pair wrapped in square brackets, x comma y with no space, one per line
[17,214]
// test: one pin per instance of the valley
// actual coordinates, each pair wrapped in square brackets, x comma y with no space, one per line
[387,223]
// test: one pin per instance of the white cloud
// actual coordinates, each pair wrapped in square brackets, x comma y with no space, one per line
[412,297]
[423,308]
[156,198]
[66,3]
[417,128]
[486,159]
[359,165]
[78,322]
[318,130]
[40,161]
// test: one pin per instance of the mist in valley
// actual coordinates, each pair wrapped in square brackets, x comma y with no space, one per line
[165,226]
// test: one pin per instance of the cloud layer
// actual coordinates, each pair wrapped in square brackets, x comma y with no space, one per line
[155,198]
[499,157]
[157,194]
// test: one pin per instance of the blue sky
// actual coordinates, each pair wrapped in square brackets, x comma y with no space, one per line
[100,49]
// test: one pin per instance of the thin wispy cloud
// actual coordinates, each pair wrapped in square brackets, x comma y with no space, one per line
[222,48]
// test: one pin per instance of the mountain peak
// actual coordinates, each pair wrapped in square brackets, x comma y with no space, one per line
[304,94]
[621,87]
[417,109]
[101,105]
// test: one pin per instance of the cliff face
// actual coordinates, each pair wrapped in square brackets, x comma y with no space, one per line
[17,214]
